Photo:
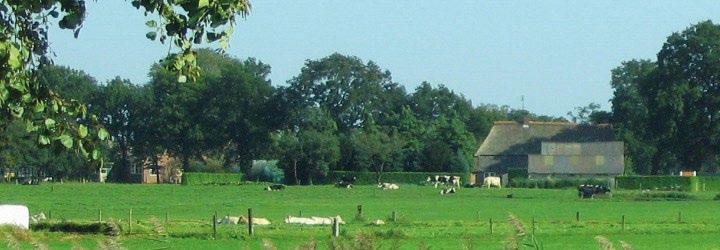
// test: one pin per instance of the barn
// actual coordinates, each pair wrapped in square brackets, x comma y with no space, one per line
[541,149]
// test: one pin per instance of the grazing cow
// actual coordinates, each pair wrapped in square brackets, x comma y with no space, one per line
[31,181]
[386,186]
[444,179]
[492,181]
[275,187]
[589,191]
[346,182]
[445,191]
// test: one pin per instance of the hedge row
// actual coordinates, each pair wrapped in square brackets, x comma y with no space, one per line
[371,178]
[211,178]
[557,182]
[677,183]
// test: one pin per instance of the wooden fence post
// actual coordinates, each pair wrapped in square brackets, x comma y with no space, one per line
[394,216]
[251,231]
[130,220]
[622,222]
[359,212]
[335,227]
[680,217]
[100,215]
[577,216]
[214,223]
[491,226]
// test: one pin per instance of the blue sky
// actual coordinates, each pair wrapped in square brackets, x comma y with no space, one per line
[558,54]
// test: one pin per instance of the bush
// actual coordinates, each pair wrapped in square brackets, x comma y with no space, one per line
[370,178]
[106,228]
[557,182]
[667,183]
[211,178]
[717,197]
[267,171]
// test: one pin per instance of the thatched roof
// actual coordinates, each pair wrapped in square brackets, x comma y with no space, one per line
[513,138]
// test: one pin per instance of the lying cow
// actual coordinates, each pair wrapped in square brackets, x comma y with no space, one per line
[255,221]
[275,187]
[445,191]
[313,220]
[492,181]
[234,220]
[444,179]
[386,186]
[589,191]
[346,182]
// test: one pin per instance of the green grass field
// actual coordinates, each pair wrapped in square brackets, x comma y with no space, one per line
[425,219]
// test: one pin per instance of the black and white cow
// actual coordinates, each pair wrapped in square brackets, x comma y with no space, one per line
[346,182]
[444,179]
[589,191]
[275,187]
[445,191]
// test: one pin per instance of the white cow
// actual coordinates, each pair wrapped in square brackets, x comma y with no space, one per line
[313,220]
[16,215]
[492,181]
[386,186]
[229,220]
[256,221]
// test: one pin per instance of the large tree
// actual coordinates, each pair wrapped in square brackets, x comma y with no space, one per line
[24,46]
[348,89]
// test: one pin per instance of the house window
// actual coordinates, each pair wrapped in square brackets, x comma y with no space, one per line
[549,160]
[599,160]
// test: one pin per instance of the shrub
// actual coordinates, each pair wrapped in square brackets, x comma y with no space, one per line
[717,197]
[268,171]
[106,228]
[211,178]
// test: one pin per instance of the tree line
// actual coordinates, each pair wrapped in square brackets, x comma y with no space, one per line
[338,113]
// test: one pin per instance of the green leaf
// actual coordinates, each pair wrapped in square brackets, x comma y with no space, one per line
[151,35]
[39,107]
[182,79]
[49,123]
[203,3]
[103,134]
[96,154]
[14,57]
[82,131]
[43,140]
[66,140]
[54,14]
[151,24]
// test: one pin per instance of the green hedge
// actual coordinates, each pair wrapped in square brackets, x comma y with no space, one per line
[709,183]
[677,183]
[370,178]
[211,178]
[557,182]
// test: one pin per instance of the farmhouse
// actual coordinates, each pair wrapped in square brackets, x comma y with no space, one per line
[549,149]
[161,169]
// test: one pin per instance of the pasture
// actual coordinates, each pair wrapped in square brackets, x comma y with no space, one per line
[425,219]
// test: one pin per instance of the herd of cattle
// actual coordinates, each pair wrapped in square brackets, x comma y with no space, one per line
[450,185]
